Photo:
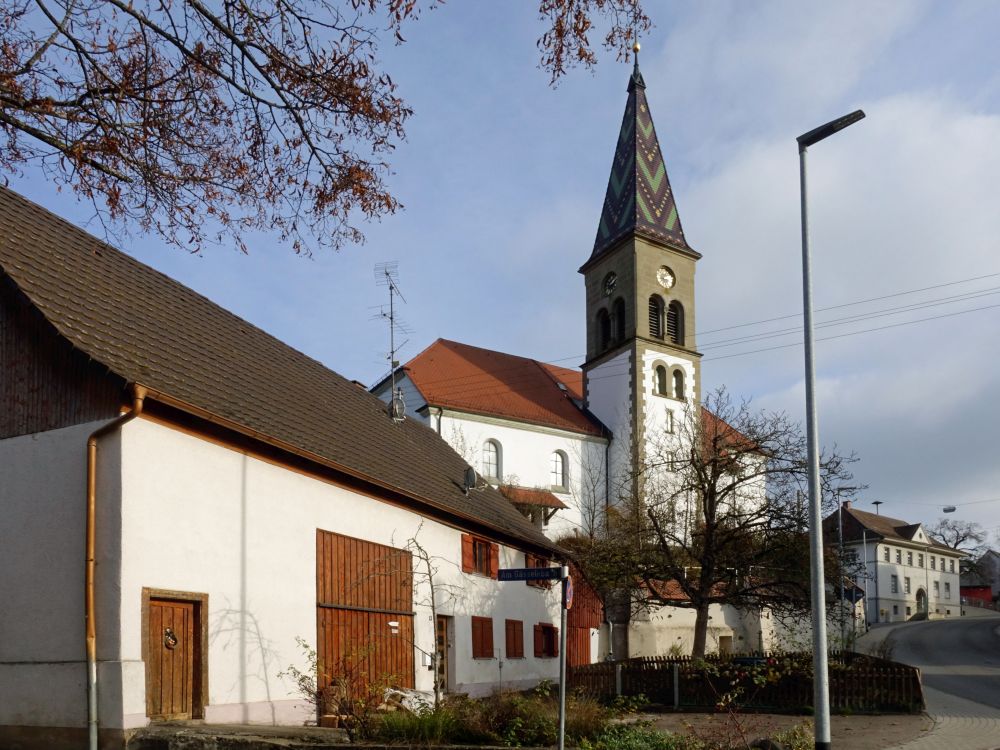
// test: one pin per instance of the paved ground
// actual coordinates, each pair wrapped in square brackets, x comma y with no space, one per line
[846,732]
[960,667]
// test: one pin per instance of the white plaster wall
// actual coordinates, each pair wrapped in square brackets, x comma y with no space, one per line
[609,392]
[43,497]
[526,454]
[203,518]
[664,631]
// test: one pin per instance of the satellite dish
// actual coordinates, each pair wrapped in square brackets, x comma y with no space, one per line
[397,408]
[471,479]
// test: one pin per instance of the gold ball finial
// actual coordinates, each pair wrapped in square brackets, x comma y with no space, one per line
[635,47]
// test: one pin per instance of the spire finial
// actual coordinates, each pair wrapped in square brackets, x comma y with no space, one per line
[635,50]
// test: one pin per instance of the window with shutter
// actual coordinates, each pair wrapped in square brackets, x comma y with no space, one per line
[532,561]
[514,636]
[675,322]
[546,641]
[480,556]
[656,317]
[482,637]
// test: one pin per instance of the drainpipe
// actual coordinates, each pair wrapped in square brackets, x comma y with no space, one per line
[138,394]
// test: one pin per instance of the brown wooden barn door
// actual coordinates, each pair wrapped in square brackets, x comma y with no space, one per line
[173,654]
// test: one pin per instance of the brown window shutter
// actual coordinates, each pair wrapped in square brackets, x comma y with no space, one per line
[529,562]
[488,637]
[494,560]
[539,641]
[555,641]
[467,561]
[508,633]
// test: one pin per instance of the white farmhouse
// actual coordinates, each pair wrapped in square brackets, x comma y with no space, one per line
[904,572]
[185,496]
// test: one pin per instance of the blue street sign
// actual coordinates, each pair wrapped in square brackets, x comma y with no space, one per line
[529,574]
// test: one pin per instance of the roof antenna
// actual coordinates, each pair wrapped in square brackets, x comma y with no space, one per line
[387,275]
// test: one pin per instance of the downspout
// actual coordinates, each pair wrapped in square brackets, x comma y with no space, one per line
[138,394]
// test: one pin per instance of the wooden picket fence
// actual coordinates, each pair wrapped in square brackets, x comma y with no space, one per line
[858,683]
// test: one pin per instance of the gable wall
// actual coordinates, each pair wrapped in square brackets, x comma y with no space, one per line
[44,383]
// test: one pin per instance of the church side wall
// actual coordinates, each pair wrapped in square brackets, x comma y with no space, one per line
[526,454]
[203,518]
[609,397]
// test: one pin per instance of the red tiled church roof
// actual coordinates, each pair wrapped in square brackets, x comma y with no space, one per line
[467,378]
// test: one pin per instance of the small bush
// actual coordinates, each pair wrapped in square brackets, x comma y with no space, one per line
[430,727]
[585,717]
[640,736]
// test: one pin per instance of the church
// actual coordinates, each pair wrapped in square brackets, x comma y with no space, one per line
[565,444]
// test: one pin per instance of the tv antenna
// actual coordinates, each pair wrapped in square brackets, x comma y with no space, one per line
[387,275]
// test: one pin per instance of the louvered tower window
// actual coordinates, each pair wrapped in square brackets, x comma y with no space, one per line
[656,317]
[619,319]
[603,330]
[675,322]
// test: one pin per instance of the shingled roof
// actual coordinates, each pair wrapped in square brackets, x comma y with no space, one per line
[639,199]
[855,521]
[152,331]
[482,381]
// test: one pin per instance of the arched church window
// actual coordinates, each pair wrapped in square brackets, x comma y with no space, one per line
[661,380]
[675,322]
[618,318]
[557,470]
[492,457]
[603,330]
[656,316]
[678,384]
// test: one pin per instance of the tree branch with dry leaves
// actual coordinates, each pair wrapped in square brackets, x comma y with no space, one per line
[205,123]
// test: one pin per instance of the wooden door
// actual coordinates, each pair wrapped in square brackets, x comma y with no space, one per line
[441,647]
[173,652]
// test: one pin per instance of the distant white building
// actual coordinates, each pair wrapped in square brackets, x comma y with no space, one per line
[904,572]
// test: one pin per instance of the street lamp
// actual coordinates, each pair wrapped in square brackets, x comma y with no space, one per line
[821,697]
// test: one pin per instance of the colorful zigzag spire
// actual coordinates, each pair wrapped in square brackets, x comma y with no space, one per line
[639,199]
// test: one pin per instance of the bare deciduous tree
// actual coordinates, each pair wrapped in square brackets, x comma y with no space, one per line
[715,517]
[203,122]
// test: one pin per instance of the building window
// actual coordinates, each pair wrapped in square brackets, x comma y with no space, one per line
[899,557]
[532,561]
[618,318]
[920,561]
[482,637]
[906,585]
[603,330]
[480,556]
[679,384]
[675,322]
[909,558]
[894,584]
[656,317]
[909,611]
[557,470]
[937,589]
[951,566]
[670,421]
[933,563]
[514,638]
[895,609]
[947,592]
[546,641]
[661,380]
[885,554]
[492,456]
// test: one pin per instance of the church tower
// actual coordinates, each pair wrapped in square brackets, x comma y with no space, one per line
[642,374]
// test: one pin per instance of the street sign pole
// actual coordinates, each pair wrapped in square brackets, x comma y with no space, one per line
[562,659]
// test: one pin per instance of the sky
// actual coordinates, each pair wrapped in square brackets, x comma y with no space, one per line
[503,178]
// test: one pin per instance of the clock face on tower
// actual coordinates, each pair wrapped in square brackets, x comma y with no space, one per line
[665,277]
[609,284]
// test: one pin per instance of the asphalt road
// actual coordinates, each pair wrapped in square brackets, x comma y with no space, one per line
[959,657]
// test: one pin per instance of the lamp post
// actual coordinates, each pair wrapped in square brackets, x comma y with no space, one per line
[821,697]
